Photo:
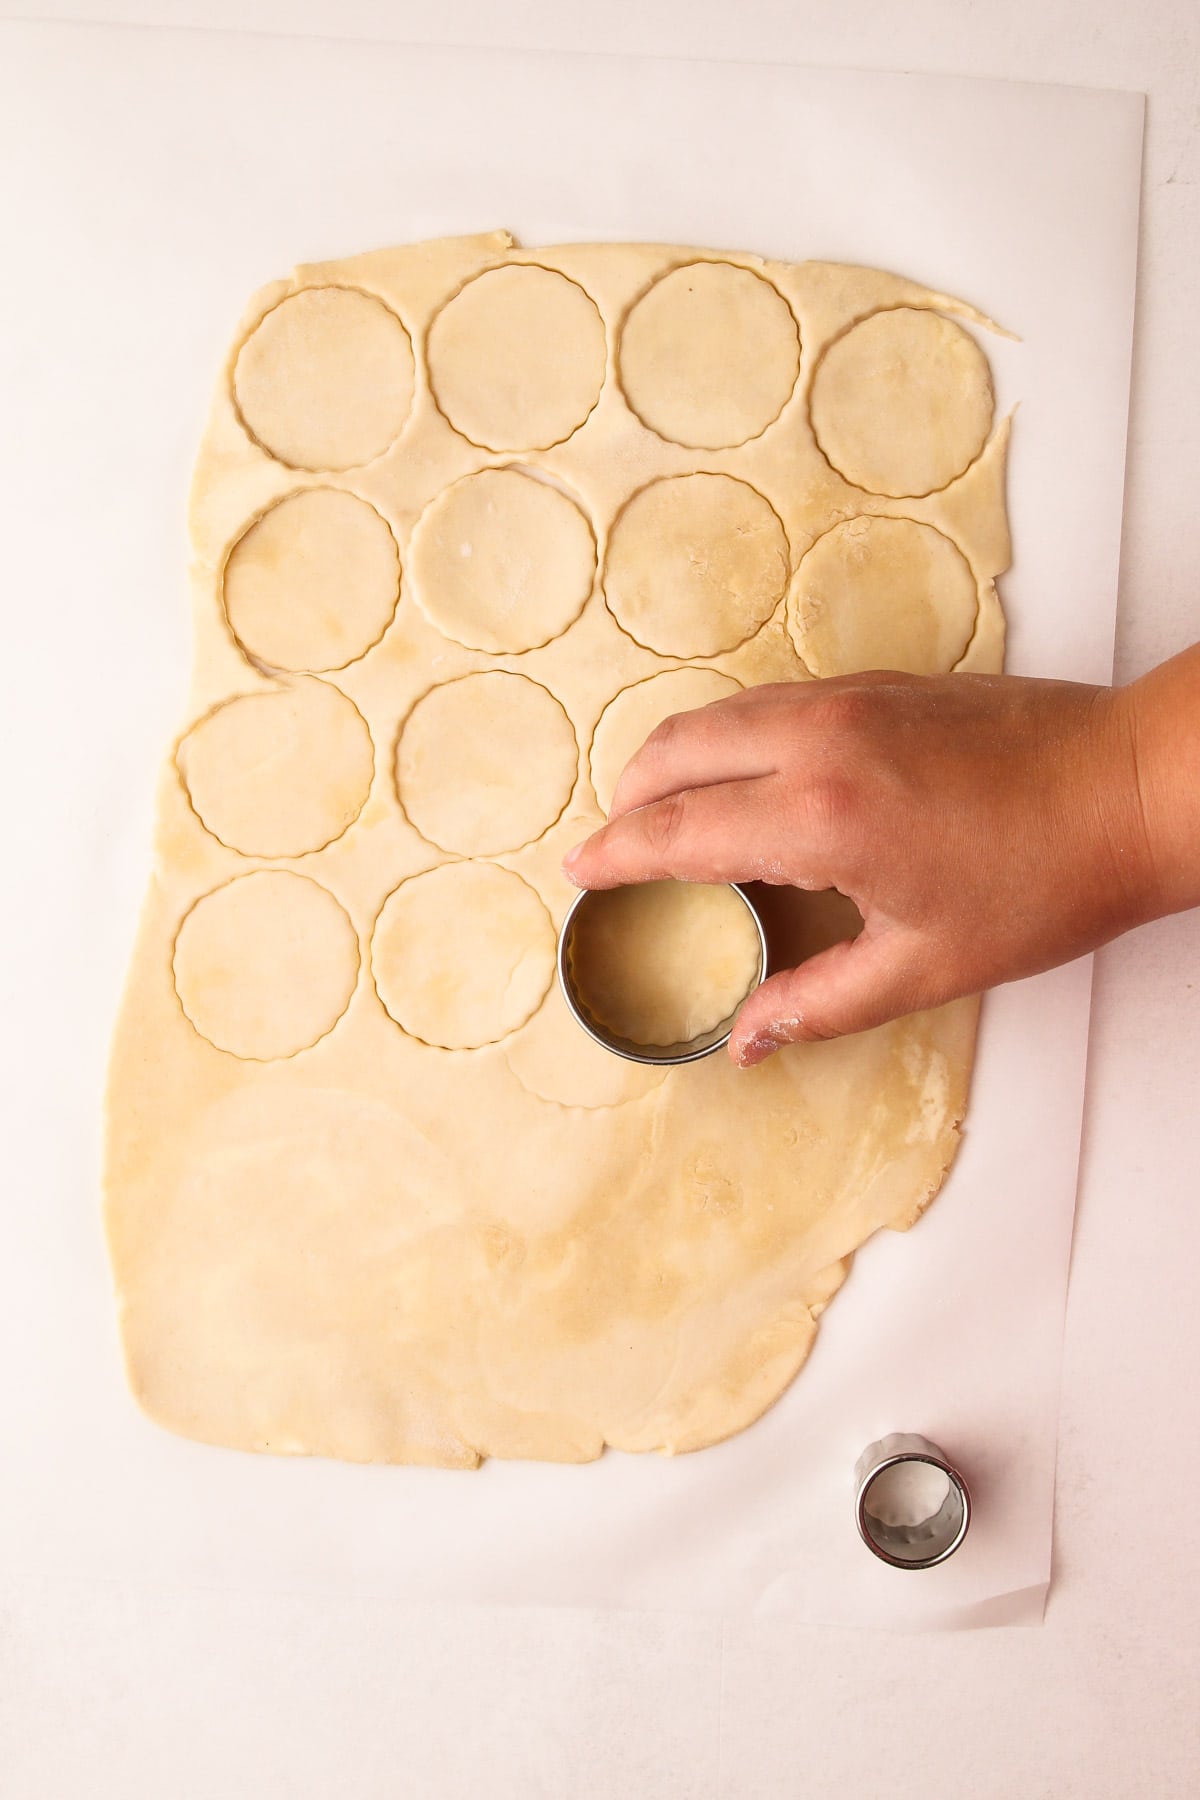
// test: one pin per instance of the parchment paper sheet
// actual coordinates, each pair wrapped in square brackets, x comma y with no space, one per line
[156,179]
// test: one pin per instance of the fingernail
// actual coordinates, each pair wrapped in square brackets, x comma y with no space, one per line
[756,1050]
[570,860]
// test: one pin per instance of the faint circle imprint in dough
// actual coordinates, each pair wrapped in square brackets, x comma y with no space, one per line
[517,358]
[878,593]
[313,583]
[265,965]
[486,763]
[281,773]
[502,561]
[696,564]
[325,380]
[554,1058]
[462,955]
[902,402]
[709,355]
[632,715]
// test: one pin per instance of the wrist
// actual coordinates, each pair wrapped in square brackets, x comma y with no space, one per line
[1160,719]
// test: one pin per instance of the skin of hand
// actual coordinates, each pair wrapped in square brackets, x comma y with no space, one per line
[986,827]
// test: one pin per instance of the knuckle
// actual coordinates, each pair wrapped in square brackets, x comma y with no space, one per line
[848,711]
[664,823]
[665,736]
[834,803]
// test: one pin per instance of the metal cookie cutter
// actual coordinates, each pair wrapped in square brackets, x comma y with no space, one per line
[688,1051]
[911,1505]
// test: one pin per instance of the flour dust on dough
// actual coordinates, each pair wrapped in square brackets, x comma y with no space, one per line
[461,509]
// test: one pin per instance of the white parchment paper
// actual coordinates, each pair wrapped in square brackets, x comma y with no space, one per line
[156,179]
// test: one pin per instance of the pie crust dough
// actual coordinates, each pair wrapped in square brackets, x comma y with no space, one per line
[709,355]
[502,561]
[370,1193]
[696,564]
[902,402]
[664,962]
[313,583]
[358,385]
[280,772]
[463,770]
[883,594]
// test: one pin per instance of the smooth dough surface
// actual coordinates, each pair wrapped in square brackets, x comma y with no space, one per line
[502,562]
[883,594]
[664,962]
[696,563]
[326,380]
[628,720]
[517,358]
[280,773]
[486,763]
[709,356]
[370,1192]
[313,583]
[902,404]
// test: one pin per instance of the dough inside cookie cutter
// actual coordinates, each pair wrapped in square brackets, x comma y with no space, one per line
[685,1050]
[911,1505]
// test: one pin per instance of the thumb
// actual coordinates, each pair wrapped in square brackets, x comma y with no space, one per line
[854,985]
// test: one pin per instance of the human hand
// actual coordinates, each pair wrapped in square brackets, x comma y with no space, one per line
[986,828]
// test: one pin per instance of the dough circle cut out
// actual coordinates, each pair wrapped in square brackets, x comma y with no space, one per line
[502,561]
[312,585]
[325,380]
[486,763]
[902,402]
[709,356]
[552,1058]
[632,715]
[517,358]
[281,773]
[462,955]
[880,593]
[696,564]
[265,966]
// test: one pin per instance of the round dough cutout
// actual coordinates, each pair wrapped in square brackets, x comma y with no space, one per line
[902,402]
[517,358]
[880,593]
[555,1059]
[486,763]
[326,379]
[502,562]
[632,715]
[463,954]
[281,773]
[709,356]
[696,564]
[265,965]
[313,583]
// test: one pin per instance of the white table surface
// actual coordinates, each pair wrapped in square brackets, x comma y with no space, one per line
[178,1693]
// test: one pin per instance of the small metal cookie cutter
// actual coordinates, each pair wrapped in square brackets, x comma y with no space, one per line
[689,1050]
[896,1481]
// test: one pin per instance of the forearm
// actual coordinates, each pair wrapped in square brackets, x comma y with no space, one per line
[1163,712]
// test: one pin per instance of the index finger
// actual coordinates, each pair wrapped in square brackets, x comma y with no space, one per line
[727,832]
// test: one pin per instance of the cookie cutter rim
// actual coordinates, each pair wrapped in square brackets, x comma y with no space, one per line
[886,1453]
[688,1050]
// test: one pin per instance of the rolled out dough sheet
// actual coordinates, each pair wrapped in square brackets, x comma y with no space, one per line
[468,519]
